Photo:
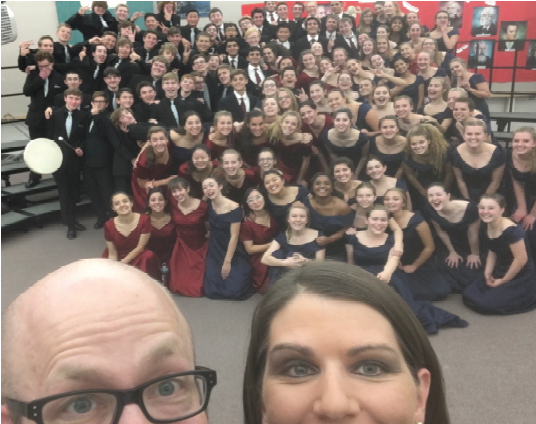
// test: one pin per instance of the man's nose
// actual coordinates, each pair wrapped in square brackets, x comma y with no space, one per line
[132,414]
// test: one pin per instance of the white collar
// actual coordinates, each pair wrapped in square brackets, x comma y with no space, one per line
[240,96]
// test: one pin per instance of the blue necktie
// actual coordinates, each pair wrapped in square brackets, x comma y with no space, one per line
[69,124]
[174,110]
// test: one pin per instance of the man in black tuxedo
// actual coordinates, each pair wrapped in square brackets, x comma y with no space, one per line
[148,51]
[112,79]
[123,63]
[152,24]
[72,80]
[158,69]
[283,18]
[347,39]
[98,160]
[70,125]
[284,35]
[256,75]
[216,17]
[239,102]
[41,85]
[336,9]
[93,24]
[190,31]
[224,86]
[92,67]
[270,10]
[207,86]
[62,49]
[142,109]
[233,58]
[312,26]
[488,22]
[259,22]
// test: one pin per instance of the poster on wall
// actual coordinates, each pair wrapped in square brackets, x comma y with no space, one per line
[485,21]
[203,7]
[531,57]
[455,11]
[481,54]
[512,32]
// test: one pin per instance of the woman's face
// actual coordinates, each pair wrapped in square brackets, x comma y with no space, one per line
[342,122]
[289,125]
[377,222]
[269,88]
[342,173]
[401,67]
[192,126]
[285,62]
[224,125]
[308,61]
[381,96]
[274,184]
[345,81]
[270,107]
[435,89]
[442,19]
[362,38]
[324,65]
[266,161]
[402,108]
[308,114]
[335,100]
[159,142]
[437,197]
[200,159]
[121,204]
[461,111]
[339,58]
[381,32]
[389,8]
[268,55]
[412,17]
[365,88]
[168,8]
[285,102]
[389,128]
[354,67]
[256,126]
[474,136]
[231,164]
[407,51]
[180,194]
[368,47]
[297,219]
[367,18]
[393,201]
[253,39]
[375,169]
[396,25]
[157,202]
[365,198]
[523,143]
[415,31]
[489,210]
[255,201]
[377,61]
[423,60]
[322,186]
[211,189]
[428,44]
[317,93]
[419,144]
[452,97]
[317,49]
[457,68]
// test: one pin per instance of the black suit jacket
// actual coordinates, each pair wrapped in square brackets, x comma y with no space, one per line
[344,15]
[137,78]
[59,52]
[87,69]
[56,129]
[340,42]
[186,32]
[293,30]
[175,20]
[142,111]
[145,57]
[242,62]
[304,44]
[230,104]
[221,89]
[90,24]
[98,151]
[34,87]
[480,30]
[126,68]
[59,102]
[163,114]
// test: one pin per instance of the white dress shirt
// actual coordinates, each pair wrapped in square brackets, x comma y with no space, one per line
[246,100]
[269,16]
[284,44]
[251,74]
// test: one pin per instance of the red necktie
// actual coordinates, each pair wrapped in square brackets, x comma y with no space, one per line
[243,107]
[313,40]
[352,44]
[233,63]
[272,17]
[257,76]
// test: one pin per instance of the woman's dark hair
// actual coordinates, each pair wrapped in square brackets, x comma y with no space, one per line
[404,29]
[372,157]
[270,172]
[344,110]
[440,185]
[338,281]
[335,192]
[377,208]
[244,141]
[180,129]
[308,103]
[220,181]
[499,198]
[149,151]
[191,167]
[247,210]
[317,82]
[342,160]
[119,192]
[152,191]
[178,182]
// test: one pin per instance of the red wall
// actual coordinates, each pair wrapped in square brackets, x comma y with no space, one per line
[508,11]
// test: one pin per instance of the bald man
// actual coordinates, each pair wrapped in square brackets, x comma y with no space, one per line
[105,327]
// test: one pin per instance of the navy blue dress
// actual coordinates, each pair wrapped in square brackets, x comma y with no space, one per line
[458,278]
[373,260]
[399,184]
[439,73]
[237,285]
[477,180]
[446,63]
[480,103]
[441,46]
[330,225]
[393,161]
[307,250]
[427,282]
[426,175]
[354,152]
[279,212]
[361,122]
[439,117]
[514,297]
[528,179]
[411,90]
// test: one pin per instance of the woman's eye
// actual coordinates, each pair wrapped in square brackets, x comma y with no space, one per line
[371,369]
[298,370]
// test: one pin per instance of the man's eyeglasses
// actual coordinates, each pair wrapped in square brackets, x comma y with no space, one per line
[167,399]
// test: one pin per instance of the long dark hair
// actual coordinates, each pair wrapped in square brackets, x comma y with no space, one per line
[335,192]
[339,281]
[152,191]
[191,167]
[245,206]
[180,130]
[244,143]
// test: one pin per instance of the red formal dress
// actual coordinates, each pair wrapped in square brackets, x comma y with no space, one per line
[290,158]
[146,260]
[188,260]
[162,241]
[251,179]
[258,234]
[158,171]
[304,81]
[196,189]
[215,149]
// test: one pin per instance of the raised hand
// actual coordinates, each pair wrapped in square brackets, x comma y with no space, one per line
[82,54]
[83,10]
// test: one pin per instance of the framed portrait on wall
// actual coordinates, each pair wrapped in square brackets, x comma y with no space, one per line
[203,7]
[485,21]
[511,36]
[455,11]
[531,57]
[481,54]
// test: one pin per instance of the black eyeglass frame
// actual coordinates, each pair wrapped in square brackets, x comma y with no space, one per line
[33,410]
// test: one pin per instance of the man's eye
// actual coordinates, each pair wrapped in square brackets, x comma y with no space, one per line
[81,405]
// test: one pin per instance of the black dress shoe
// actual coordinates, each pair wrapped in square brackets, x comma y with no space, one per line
[79,227]
[31,183]
[71,233]
[99,224]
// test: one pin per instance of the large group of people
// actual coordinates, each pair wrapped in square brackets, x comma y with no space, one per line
[236,152]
